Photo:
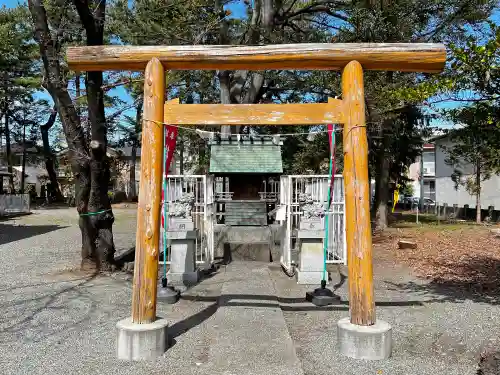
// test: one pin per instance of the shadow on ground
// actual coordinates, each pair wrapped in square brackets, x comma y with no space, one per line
[30,310]
[258,301]
[12,233]
[10,216]
[471,278]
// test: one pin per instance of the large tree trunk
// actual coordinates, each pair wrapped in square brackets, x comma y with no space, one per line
[135,145]
[23,165]
[381,191]
[53,191]
[102,218]
[231,90]
[1,177]
[78,152]
[380,208]
[478,193]
[8,152]
[131,183]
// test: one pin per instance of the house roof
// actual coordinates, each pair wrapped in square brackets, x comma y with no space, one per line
[245,158]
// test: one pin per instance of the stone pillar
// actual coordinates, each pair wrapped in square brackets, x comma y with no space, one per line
[182,237]
[311,234]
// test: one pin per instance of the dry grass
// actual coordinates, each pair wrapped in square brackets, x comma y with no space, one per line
[458,255]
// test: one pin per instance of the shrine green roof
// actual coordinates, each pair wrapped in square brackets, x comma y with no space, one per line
[245,158]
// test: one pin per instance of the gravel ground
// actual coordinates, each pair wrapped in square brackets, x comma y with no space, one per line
[57,320]
[433,332]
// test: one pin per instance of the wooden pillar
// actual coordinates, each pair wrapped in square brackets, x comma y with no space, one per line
[149,205]
[357,198]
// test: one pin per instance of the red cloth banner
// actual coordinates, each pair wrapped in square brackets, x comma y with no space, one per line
[332,155]
[169,144]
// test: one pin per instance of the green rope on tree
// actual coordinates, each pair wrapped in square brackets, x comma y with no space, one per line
[95,213]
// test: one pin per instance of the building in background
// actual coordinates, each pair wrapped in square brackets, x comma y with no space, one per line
[429,173]
[446,191]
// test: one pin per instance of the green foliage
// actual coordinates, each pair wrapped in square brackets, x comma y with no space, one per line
[406,190]
[19,71]
[475,65]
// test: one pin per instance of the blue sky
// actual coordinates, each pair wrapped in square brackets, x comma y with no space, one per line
[238,11]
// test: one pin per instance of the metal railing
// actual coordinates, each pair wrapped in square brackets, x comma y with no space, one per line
[317,187]
[176,187]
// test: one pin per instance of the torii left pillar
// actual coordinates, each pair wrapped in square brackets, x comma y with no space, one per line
[144,335]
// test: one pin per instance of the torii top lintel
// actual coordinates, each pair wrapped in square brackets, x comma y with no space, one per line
[405,57]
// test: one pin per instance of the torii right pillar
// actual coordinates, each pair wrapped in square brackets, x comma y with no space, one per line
[361,335]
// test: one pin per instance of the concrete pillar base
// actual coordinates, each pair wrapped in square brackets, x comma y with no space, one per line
[135,342]
[309,277]
[364,342]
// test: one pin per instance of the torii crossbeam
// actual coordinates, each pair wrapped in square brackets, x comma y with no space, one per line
[349,111]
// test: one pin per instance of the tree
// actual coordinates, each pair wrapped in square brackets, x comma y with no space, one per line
[476,144]
[131,136]
[398,120]
[386,93]
[473,80]
[18,70]
[31,114]
[56,23]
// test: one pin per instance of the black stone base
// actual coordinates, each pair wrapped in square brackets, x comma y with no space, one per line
[322,296]
[167,294]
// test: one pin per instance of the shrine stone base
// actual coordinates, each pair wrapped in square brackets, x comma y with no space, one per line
[183,272]
[311,263]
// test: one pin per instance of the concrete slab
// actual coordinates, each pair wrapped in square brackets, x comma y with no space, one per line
[249,330]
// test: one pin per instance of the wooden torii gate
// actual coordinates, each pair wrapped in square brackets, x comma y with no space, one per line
[349,111]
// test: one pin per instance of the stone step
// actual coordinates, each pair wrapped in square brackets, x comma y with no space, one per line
[245,213]
[254,251]
[243,221]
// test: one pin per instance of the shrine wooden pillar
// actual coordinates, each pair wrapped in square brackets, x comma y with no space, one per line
[149,204]
[357,198]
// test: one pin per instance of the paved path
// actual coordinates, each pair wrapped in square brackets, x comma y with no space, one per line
[250,335]
[246,319]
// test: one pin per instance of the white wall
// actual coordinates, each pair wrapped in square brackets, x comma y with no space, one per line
[445,187]
[443,169]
